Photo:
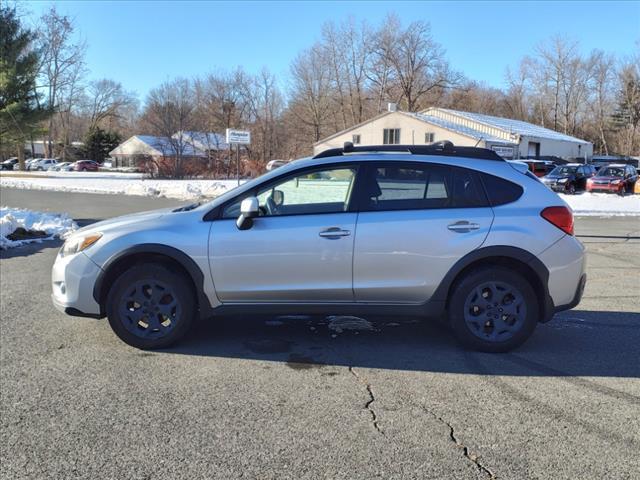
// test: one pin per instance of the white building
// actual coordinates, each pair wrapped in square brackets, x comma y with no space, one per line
[191,145]
[509,138]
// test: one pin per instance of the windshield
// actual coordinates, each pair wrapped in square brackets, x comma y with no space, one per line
[611,172]
[563,171]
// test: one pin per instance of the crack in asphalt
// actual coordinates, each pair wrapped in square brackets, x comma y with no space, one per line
[372,398]
[465,450]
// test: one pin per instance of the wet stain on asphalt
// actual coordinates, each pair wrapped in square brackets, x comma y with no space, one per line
[302,362]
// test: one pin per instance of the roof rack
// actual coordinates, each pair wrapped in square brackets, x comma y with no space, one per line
[445,148]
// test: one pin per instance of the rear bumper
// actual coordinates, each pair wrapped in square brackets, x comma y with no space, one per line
[566,262]
[576,298]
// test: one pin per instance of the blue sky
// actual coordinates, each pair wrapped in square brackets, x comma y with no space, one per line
[143,43]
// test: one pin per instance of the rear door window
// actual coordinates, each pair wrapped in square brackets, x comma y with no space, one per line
[410,186]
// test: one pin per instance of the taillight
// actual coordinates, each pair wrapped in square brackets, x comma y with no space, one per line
[561,217]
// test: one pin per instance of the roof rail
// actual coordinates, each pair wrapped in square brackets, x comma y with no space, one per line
[445,148]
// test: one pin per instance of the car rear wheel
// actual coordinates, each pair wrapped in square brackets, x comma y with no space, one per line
[493,310]
[149,306]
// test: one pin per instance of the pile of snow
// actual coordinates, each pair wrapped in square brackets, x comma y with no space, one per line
[603,204]
[118,184]
[53,224]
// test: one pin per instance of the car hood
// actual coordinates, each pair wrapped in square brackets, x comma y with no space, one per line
[125,220]
[557,177]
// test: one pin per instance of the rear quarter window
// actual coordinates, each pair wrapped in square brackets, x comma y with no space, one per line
[501,191]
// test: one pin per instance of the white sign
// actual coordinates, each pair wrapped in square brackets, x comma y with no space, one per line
[504,152]
[240,137]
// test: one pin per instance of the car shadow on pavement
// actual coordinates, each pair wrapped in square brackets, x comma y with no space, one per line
[30,248]
[574,343]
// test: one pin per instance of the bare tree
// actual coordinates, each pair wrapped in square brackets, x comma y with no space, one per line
[418,63]
[627,115]
[516,96]
[601,104]
[169,111]
[311,91]
[62,64]
[107,101]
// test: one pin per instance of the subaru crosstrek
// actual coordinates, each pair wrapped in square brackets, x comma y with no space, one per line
[438,231]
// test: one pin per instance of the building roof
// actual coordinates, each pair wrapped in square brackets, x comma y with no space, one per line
[204,140]
[517,127]
[152,145]
[477,126]
[457,128]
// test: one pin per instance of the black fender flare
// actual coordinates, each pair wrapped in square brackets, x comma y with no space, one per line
[441,294]
[184,260]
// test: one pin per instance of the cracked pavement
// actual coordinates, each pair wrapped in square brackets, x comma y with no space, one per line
[258,398]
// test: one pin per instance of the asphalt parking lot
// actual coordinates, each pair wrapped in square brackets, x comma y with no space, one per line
[266,397]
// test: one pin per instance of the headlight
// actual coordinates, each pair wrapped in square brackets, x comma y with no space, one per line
[77,244]
[563,180]
[616,182]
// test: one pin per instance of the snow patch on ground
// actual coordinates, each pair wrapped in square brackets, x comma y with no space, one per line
[55,225]
[603,204]
[118,184]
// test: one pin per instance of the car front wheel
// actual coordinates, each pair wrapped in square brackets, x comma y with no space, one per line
[149,306]
[493,309]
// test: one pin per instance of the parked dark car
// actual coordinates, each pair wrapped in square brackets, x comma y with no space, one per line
[615,178]
[569,178]
[9,164]
[85,166]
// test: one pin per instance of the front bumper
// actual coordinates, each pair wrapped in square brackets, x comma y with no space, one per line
[556,187]
[72,281]
[604,188]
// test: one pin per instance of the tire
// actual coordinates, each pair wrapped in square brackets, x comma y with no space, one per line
[149,306]
[571,189]
[472,316]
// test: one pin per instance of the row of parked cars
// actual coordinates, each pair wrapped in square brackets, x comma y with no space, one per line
[577,177]
[51,164]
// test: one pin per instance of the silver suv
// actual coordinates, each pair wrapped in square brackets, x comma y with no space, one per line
[435,231]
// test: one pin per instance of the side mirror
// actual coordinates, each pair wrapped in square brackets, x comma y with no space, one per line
[249,209]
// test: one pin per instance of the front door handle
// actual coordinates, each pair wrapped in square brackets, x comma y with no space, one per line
[463,226]
[334,233]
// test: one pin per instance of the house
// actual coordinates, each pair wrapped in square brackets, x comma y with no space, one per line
[511,139]
[140,149]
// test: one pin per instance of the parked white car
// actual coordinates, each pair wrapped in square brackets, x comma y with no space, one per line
[435,231]
[43,164]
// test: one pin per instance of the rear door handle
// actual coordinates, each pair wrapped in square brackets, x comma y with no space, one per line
[463,226]
[334,233]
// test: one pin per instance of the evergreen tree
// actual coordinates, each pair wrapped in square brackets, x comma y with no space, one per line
[19,109]
[99,143]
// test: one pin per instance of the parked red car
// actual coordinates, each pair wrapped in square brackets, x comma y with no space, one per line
[614,178]
[538,167]
[85,166]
